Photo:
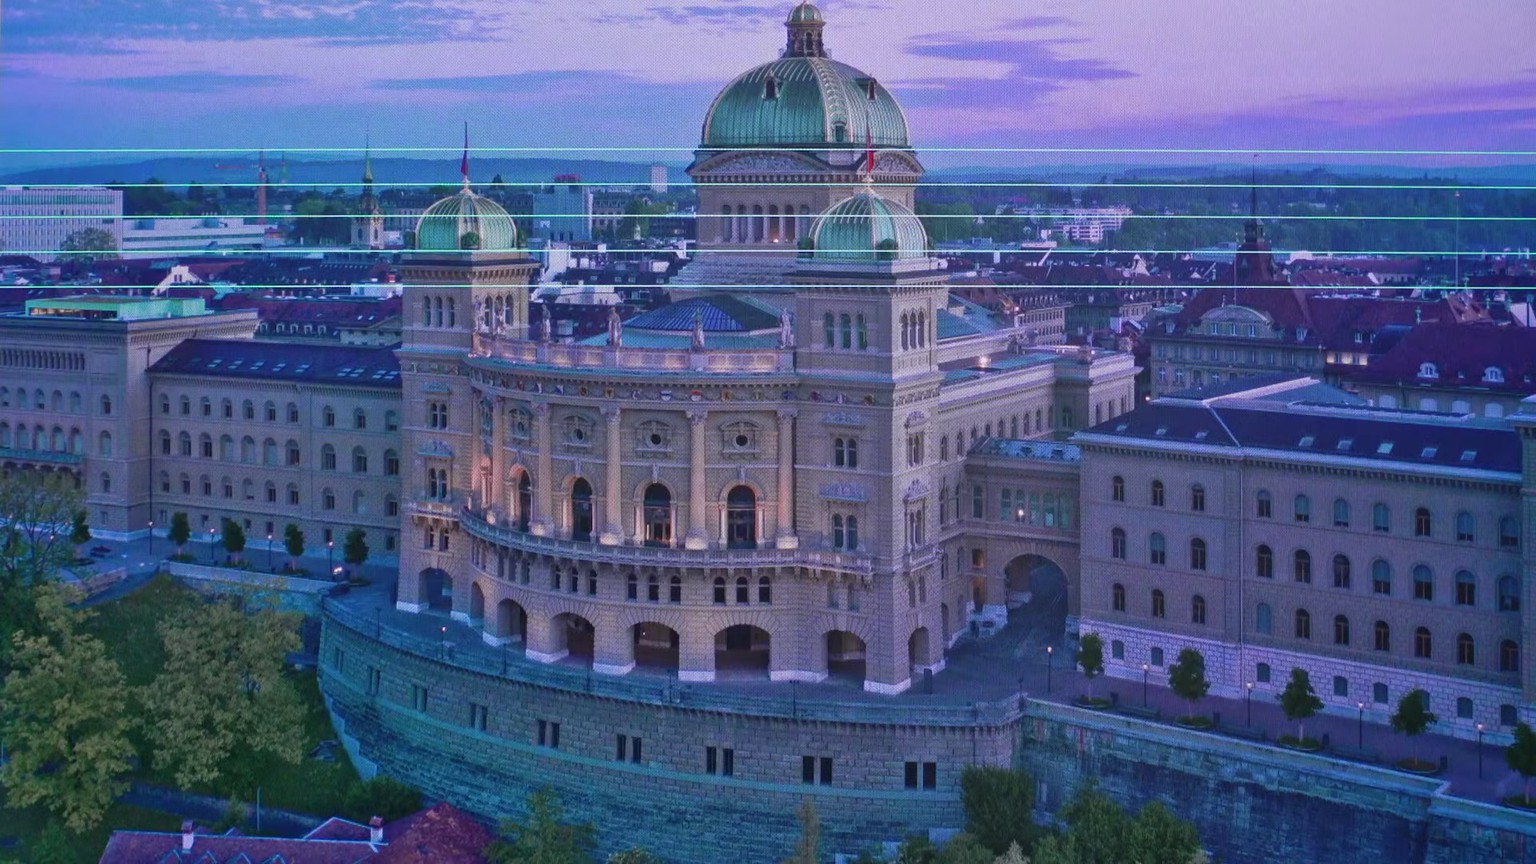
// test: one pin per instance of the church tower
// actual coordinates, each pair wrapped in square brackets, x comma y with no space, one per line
[368,224]
[1255,263]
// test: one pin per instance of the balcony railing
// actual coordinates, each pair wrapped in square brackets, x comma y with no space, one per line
[662,556]
[649,360]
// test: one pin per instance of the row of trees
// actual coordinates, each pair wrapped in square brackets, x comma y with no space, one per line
[354,547]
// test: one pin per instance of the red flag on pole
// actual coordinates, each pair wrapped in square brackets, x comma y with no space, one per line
[464,163]
[869,149]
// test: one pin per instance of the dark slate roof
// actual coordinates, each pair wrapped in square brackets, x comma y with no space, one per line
[1462,354]
[1310,426]
[723,313]
[279,361]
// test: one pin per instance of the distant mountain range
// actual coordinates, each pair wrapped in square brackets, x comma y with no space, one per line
[234,169]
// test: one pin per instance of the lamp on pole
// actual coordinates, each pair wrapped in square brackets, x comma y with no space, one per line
[330,545]
[269,550]
[1248,702]
[151,539]
[211,559]
[1146,670]
[1360,726]
[1050,653]
[1479,751]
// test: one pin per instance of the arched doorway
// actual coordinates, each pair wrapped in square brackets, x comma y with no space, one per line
[918,649]
[434,589]
[742,651]
[656,514]
[845,657]
[656,646]
[511,622]
[573,634]
[581,510]
[1036,590]
[476,603]
[741,518]
[524,500]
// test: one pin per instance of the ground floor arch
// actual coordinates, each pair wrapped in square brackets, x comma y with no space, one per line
[920,650]
[1037,594]
[476,603]
[508,625]
[845,656]
[434,589]
[742,650]
[656,646]
[573,636]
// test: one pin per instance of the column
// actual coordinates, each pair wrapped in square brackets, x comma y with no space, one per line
[786,493]
[613,650]
[498,491]
[542,524]
[698,531]
[696,653]
[613,532]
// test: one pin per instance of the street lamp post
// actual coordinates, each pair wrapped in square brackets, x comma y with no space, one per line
[1248,702]
[269,550]
[329,563]
[1050,652]
[211,558]
[1360,726]
[1479,751]
[1146,670]
[151,539]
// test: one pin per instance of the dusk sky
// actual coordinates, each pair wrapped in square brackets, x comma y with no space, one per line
[294,74]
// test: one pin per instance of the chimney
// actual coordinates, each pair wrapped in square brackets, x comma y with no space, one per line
[375,830]
[187,832]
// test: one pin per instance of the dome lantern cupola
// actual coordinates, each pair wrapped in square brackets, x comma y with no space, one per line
[867,228]
[466,222]
[805,25]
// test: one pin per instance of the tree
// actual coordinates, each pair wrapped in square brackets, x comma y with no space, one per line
[999,806]
[1299,701]
[1159,837]
[545,838]
[222,693]
[1099,831]
[1186,677]
[354,548]
[180,531]
[36,512]
[808,847]
[65,718]
[234,539]
[53,846]
[85,244]
[1090,656]
[633,856]
[293,543]
[384,797]
[80,529]
[1413,717]
[1520,756]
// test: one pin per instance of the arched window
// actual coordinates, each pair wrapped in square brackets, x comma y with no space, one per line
[829,330]
[652,589]
[1383,636]
[1341,571]
[391,463]
[106,482]
[1159,604]
[656,503]
[1197,554]
[1197,498]
[1117,543]
[1157,493]
[719,590]
[1158,548]
[764,589]
[741,518]
[185,442]
[327,416]
[1423,644]
[1423,583]
[853,533]
[1117,488]
[1303,508]
[631,587]
[1117,597]
[1301,566]
[1466,650]
[327,458]
[1340,513]
[248,410]
[743,590]
[1423,523]
[360,419]
[227,448]
[581,510]
[106,405]
[861,330]
[104,444]
[359,460]
[1303,624]
[1264,505]
[845,322]
[1465,528]
[1381,577]
[1509,656]
[1509,532]
[1340,630]
[1264,562]
[1197,610]
[1509,593]
[675,590]
[1466,588]
[1381,518]
[1263,619]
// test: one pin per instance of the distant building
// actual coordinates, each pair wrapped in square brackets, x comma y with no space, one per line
[659,179]
[1480,369]
[562,212]
[35,220]
[191,235]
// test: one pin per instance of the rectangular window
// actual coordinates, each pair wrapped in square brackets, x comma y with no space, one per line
[419,697]
[978,503]
[478,716]
[339,661]
[808,769]
[621,748]
[549,734]
[930,775]
[375,680]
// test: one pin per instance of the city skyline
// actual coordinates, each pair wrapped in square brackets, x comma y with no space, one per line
[1361,76]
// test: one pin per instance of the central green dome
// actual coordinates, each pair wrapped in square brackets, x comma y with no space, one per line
[466,221]
[867,227]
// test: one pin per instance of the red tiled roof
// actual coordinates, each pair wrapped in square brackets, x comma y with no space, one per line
[1462,354]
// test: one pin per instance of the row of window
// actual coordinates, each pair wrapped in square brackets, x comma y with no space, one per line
[1301,511]
[292,455]
[39,401]
[853,331]
[292,496]
[269,412]
[38,438]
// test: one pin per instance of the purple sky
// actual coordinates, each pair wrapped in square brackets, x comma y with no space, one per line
[562,74]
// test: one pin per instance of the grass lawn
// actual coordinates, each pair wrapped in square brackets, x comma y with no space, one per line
[127,626]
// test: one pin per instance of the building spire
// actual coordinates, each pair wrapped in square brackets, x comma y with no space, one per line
[261,187]
[464,163]
[367,159]
[805,25]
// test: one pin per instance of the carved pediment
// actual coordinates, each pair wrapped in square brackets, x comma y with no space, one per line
[844,492]
[842,418]
[435,450]
[757,163]
[918,489]
[435,387]
[916,418]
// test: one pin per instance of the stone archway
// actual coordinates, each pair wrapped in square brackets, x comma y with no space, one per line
[476,603]
[1038,596]
[742,650]
[573,636]
[509,625]
[434,590]
[656,646]
[845,656]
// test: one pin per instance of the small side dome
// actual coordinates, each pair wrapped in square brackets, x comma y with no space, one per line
[867,227]
[804,13]
[466,222]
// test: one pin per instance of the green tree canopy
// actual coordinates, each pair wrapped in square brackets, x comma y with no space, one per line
[293,544]
[233,539]
[1520,756]
[64,714]
[222,691]
[808,847]
[1413,717]
[355,547]
[34,546]
[1090,656]
[1299,701]
[381,796]
[999,807]
[545,838]
[179,532]
[80,528]
[1186,677]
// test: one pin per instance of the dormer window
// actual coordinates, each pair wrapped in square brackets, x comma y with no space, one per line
[771,88]
[839,132]
[869,89]
[1429,370]
[1493,375]
[1345,444]
[1301,334]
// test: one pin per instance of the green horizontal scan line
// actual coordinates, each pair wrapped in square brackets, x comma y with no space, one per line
[924,184]
[562,217]
[480,150]
[736,250]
